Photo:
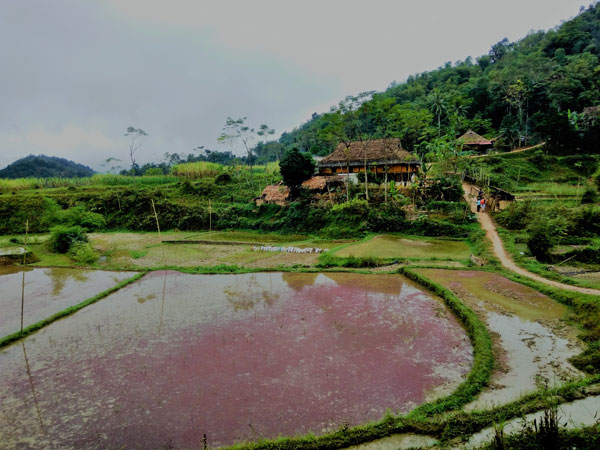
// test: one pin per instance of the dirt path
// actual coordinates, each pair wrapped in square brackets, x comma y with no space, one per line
[519,150]
[502,255]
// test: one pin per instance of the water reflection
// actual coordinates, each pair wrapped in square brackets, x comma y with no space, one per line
[30,379]
[60,276]
[129,373]
[36,293]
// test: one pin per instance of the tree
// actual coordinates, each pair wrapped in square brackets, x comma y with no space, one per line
[516,97]
[296,167]
[345,125]
[236,130]
[137,137]
[438,106]
[499,49]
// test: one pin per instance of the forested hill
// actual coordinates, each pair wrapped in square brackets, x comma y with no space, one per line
[43,166]
[527,91]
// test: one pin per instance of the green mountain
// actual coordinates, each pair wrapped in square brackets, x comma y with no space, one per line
[542,88]
[42,166]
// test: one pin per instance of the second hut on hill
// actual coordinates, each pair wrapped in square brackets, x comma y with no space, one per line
[473,141]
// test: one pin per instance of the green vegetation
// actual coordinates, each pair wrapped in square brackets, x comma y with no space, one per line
[390,247]
[45,167]
[528,91]
[62,238]
[296,167]
[483,359]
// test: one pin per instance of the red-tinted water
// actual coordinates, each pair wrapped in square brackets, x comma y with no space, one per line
[232,357]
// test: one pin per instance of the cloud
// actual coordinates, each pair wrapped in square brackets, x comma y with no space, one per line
[68,139]
[76,74]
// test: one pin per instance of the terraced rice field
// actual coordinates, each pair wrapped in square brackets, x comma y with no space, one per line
[175,359]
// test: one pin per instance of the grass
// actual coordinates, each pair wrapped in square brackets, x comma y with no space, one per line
[21,184]
[200,169]
[533,265]
[551,189]
[140,251]
[388,247]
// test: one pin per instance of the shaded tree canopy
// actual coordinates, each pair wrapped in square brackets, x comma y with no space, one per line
[296,167]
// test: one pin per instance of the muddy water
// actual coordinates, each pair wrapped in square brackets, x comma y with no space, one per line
[532,343]
[232,357]
[47,291]
[578,414]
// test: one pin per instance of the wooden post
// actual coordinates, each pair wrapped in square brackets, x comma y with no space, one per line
[23,279]
[209,220]
[158,228]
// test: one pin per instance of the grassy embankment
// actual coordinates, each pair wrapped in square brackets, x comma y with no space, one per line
[556,197]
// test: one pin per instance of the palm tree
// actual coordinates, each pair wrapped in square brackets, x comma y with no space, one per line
[438,106]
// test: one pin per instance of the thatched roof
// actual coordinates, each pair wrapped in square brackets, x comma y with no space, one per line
[275,193]
[379,151]
[320,182]
[472,138]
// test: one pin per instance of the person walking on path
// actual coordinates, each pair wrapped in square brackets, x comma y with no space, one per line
[478,204]
[482,204]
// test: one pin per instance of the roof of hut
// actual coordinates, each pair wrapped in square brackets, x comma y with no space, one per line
[472,138]
[276,193]
[378,151]
[319,182]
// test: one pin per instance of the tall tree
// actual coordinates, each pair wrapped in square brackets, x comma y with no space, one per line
[136,140]
[236,130]
[437,104]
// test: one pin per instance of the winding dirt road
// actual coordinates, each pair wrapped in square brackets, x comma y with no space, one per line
[502,255]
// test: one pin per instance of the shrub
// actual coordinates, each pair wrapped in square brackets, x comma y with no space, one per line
[539,241]
[80,217]
[223,178]
[589,196]
[62,238]
[82,252]
[387,218]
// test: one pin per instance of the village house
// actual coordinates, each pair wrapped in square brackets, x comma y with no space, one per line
[472,141]
[381,156]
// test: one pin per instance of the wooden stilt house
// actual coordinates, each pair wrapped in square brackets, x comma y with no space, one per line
[380,156]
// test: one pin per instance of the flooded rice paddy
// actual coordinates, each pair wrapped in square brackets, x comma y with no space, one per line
[227,358]
[47,291]
[531,342]
[577,414]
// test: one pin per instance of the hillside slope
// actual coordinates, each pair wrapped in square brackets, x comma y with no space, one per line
[42,166]
[532,90]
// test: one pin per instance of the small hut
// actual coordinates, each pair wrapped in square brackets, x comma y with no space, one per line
[382,156]
[274,193]
[472,141]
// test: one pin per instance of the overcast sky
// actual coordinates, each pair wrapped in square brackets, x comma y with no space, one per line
[76,73]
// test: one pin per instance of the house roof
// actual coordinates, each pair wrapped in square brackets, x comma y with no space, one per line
[380,151]
[275,193]
[319,182]
[472,138]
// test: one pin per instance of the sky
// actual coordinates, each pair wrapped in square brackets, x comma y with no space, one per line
[75,74]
